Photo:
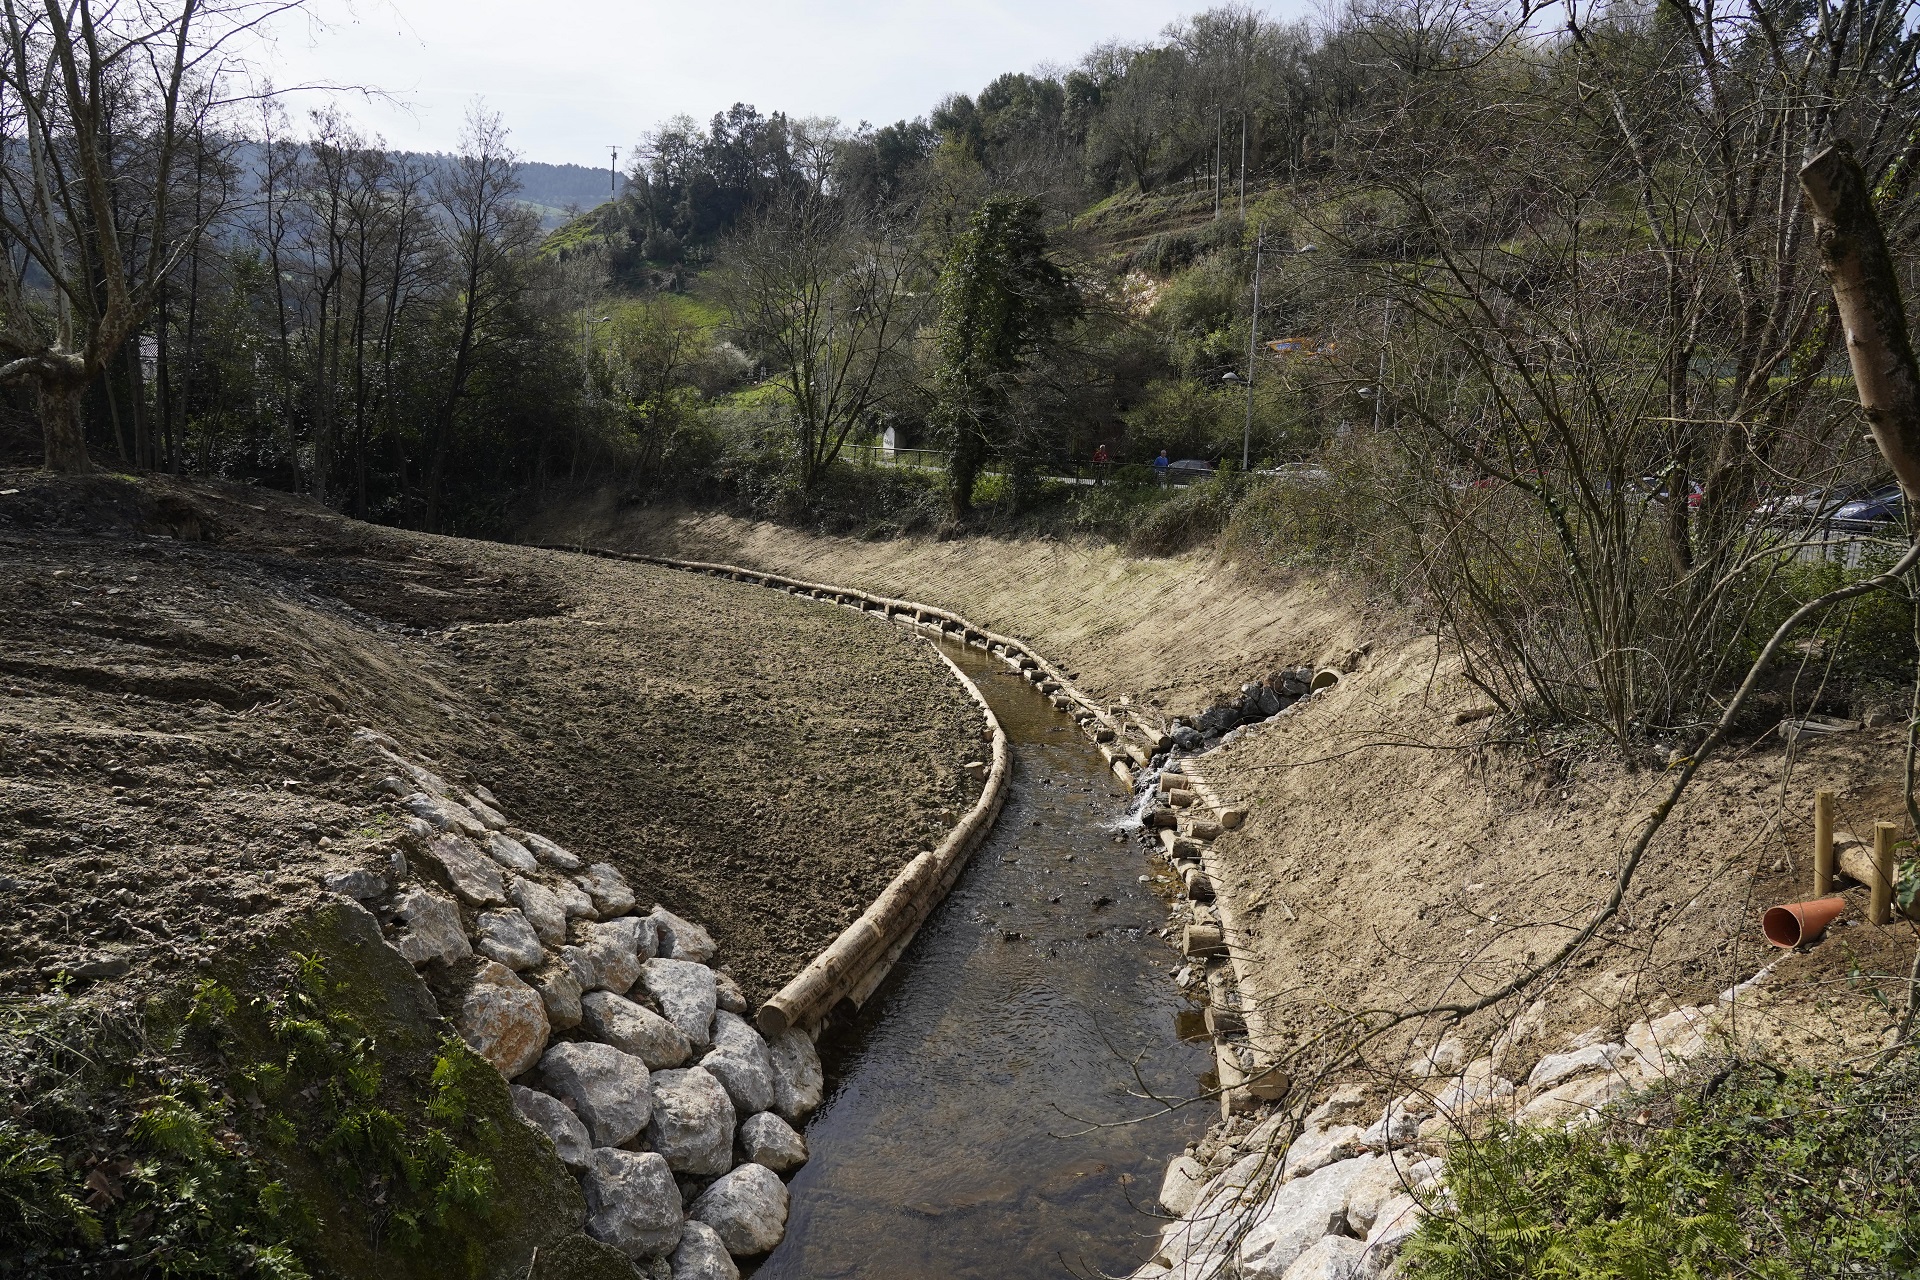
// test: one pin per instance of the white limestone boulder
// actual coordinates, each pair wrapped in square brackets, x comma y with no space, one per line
[503,1019]
[740,1061]
[510,853]
[1180,1186]
[767,1139]
[611,894]
[550,1116]
[431,927]
[692,1122]
[798,1083]
[470,873]
[610,1091]
[1330,1258]
[682,939]
[632,1202]
[541,908]
[686,995]
[634,1029]
[1296,1217]
[702,1256]
[560,992]
[508,937]
[747,1209]
[549,852]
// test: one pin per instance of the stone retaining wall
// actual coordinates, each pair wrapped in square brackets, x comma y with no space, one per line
[623,1041]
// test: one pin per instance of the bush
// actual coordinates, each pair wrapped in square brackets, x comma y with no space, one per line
[1759,1173]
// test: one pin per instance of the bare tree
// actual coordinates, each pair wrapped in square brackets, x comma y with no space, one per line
[826,298]
[99,100]
[488,236]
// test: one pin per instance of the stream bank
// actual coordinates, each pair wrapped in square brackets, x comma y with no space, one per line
[960,1134]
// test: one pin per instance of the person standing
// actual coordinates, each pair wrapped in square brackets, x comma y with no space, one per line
[1160,465]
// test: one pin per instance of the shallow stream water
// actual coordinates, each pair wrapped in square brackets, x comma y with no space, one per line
[957,1138]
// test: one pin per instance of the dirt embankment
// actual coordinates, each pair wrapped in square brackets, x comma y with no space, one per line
[185,665]
[1392,857]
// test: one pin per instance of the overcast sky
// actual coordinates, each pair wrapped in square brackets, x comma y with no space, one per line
[574,77]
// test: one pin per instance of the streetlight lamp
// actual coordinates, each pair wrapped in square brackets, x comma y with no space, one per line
[1253,345]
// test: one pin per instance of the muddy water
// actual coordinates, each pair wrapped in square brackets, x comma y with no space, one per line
[955,1138]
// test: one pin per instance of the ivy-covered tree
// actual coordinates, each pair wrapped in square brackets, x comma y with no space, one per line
[1001,299]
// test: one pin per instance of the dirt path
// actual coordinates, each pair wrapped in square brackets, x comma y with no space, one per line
[1393,856]
[185,666]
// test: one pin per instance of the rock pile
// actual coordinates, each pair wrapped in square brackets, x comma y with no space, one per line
[1257,701]
[621,1041]
[1340,1200]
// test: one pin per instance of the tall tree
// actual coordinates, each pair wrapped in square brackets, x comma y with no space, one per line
[91,229]
[1001,298]
[825,297]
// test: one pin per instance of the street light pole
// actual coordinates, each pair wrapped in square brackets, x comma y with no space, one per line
[1253,339]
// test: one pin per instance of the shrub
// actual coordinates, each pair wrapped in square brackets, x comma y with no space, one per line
[1757,1172]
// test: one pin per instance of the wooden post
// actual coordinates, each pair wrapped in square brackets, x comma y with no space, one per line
[1882,908]
[1822,843]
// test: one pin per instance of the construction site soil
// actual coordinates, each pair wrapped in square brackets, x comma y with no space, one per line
[1392,857]
[186,664]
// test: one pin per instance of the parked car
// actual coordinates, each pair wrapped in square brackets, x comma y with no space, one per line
[1189,469]
[1812,503]
[1883,506]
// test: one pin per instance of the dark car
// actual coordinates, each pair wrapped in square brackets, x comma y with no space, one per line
[1884,506]
[1189,469]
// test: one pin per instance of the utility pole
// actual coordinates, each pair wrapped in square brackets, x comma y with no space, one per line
[1243,178]
[613,171]
[1253,340]
[1380,383]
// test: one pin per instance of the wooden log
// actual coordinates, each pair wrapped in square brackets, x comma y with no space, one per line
[847,965]
[1199,887]
[1159,819]
[1883,837]
[1198,941]
[1204,829]
[1822,843]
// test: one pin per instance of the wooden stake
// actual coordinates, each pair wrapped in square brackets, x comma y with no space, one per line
[1882,907]
[1822,843]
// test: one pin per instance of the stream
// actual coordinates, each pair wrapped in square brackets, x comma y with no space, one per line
[955,1138]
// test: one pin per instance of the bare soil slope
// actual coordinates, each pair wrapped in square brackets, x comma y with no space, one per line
[185,665]
[1393,858]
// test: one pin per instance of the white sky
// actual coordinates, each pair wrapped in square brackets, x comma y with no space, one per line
[574,77]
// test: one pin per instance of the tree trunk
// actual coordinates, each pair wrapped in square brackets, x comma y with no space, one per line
[66,439]
[1866,292]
